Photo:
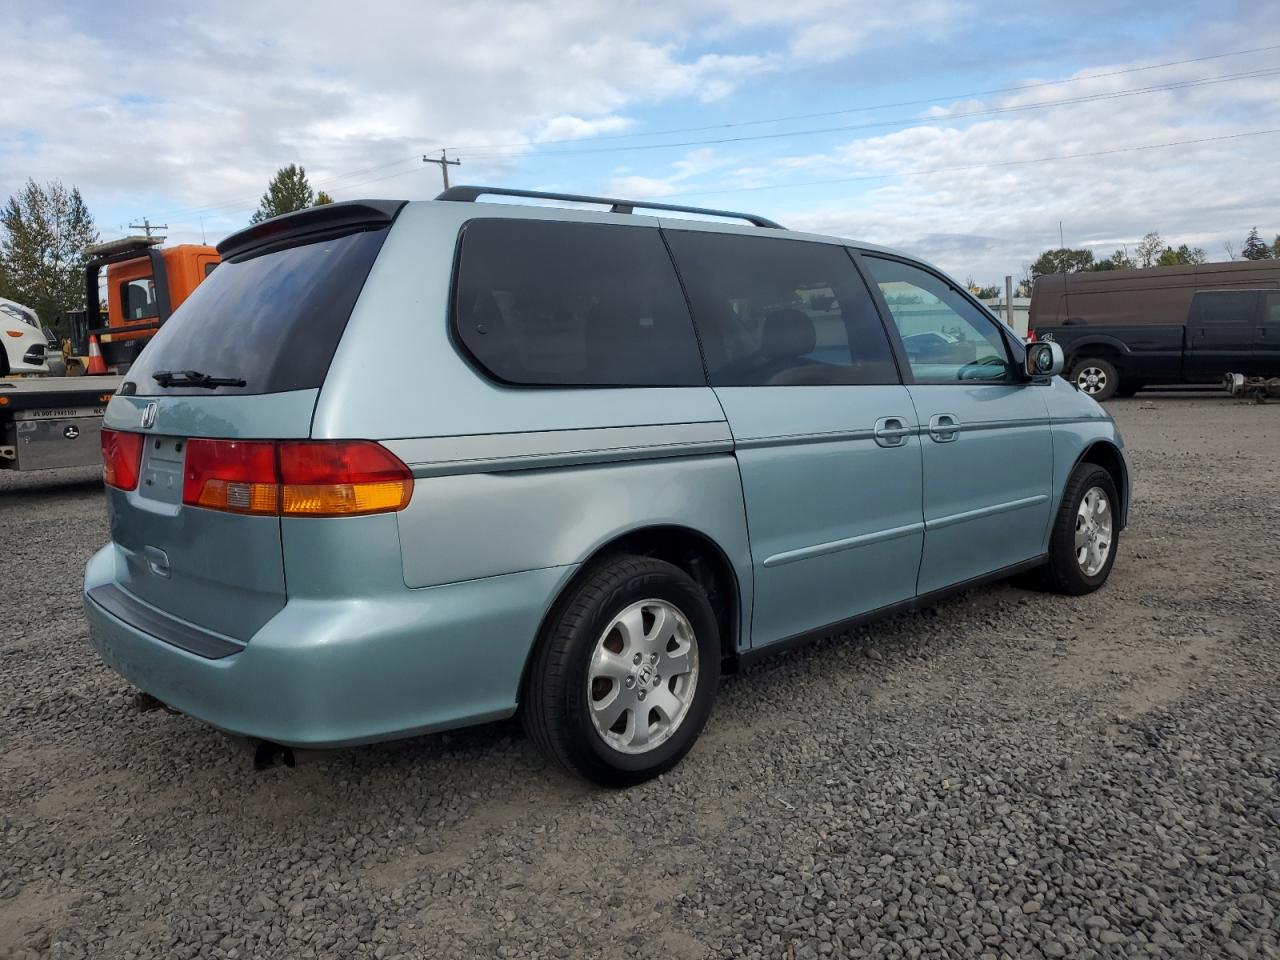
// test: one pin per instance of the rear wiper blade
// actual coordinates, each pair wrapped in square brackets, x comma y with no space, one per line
[194,378]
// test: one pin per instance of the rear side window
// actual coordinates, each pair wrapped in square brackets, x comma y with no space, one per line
[1226,306]
[551,303]
[272,320]
[781,312]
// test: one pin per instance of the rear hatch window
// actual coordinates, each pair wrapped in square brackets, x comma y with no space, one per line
[271,319]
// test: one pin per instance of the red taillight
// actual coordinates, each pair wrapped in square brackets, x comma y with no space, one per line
[121,457]
[1031,336]
[238,476]
[323,478]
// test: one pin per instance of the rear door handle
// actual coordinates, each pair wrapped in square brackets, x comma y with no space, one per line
[892,431]
[944,427]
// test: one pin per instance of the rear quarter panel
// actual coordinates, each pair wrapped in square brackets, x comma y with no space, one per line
[500,485]
[486,524]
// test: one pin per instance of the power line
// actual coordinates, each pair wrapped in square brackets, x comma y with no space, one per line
[1017,88]
[905,121]
[959,167]
[232,206]
[975,166]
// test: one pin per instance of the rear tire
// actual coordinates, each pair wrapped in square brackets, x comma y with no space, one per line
[625,672]
[1086,533]
[1096,377]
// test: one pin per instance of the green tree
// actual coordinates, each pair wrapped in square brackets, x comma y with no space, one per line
[1061,260]
[44,231]
[1170,257]
[1275,247]
[1120,260]
[322,198]
[288,191]
[1149,248]
[1255,248]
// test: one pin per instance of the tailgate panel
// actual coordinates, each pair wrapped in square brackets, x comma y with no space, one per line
[221,572]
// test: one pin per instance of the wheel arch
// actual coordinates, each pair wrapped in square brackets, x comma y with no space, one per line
[1105,454]
[693,551]
[1105,348]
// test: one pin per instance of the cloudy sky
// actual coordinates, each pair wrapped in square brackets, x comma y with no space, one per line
[961,131]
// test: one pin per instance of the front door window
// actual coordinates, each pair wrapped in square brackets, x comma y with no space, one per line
[947,338]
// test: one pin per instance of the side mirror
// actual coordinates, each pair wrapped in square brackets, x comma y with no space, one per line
[1044,359]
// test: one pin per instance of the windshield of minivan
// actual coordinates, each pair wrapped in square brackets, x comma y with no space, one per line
[272,320]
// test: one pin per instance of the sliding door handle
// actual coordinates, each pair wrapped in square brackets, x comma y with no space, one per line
[892,431]
[944,427]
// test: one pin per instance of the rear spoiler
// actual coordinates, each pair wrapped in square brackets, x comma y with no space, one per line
[313,223]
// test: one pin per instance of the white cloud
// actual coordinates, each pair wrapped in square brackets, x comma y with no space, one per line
[573,128]
[991,206]
[180,112]
[190,108]
[693,164]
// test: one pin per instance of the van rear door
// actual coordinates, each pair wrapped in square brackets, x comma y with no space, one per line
[241,360]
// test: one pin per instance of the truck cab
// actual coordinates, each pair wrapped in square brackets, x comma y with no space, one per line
[145,283]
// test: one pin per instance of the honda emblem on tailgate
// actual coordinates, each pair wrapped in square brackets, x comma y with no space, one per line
[149,415]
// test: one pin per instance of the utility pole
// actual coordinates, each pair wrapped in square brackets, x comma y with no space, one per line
[445,164]
[148,226]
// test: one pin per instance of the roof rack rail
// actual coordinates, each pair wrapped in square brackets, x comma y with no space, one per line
[467,194]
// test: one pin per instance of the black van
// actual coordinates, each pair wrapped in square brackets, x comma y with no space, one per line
[1122,330]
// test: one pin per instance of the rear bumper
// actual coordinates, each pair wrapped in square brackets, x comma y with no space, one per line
[335,672]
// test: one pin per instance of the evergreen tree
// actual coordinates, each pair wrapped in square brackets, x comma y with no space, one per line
[1255,248]
[288,191]
[44,231]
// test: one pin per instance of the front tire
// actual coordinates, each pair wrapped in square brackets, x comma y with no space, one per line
[625,672]
[1086,532]
[1096,377]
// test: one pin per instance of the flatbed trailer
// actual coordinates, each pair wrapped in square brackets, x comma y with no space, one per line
[50,422]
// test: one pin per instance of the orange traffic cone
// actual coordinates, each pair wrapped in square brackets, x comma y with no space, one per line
[96,365]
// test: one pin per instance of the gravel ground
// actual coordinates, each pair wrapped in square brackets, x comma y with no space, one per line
[1008,774]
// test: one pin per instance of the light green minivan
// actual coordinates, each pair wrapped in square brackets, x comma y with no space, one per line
[399,467]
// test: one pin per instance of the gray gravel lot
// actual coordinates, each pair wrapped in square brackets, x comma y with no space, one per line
[1008,774]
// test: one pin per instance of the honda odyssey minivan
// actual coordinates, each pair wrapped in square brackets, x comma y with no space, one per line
[400,467]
